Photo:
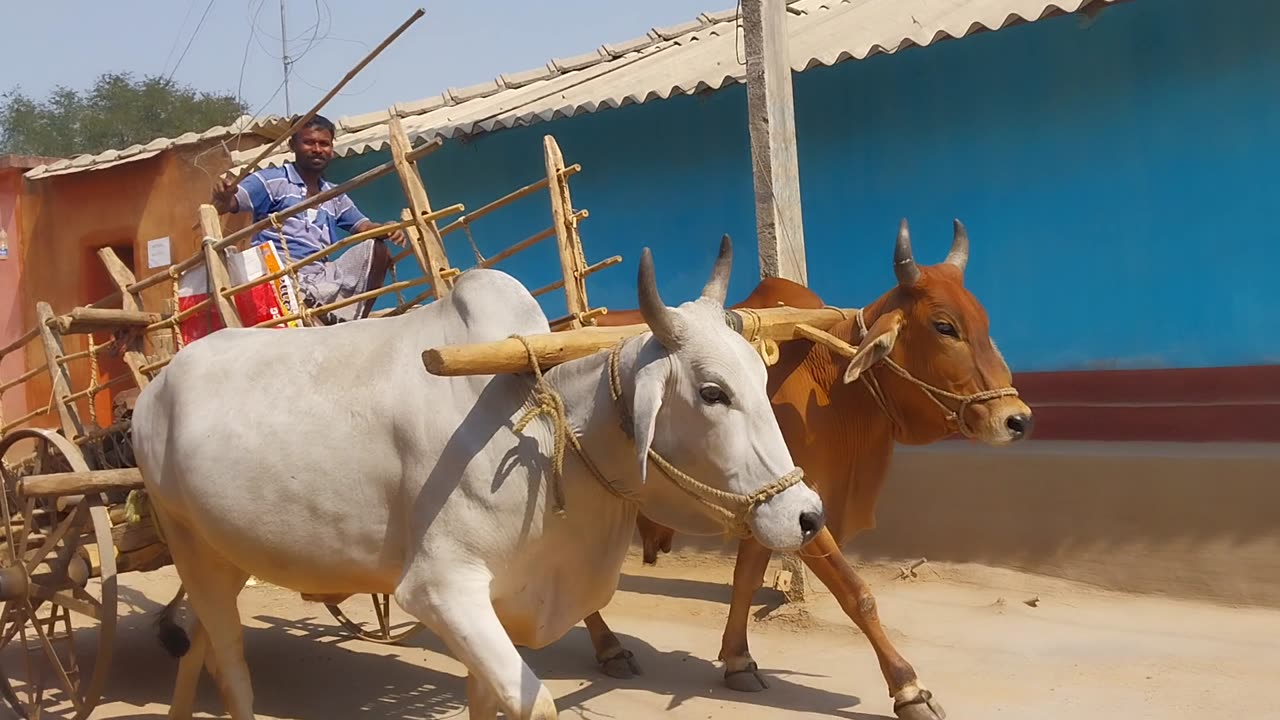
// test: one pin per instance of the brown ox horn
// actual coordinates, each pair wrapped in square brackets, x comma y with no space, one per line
[904,265]
[661,320]
[718,285]
[959,255]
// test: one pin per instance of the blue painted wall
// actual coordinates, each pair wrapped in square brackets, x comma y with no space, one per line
[1118,181]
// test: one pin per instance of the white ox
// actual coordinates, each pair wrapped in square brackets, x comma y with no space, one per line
[330,462]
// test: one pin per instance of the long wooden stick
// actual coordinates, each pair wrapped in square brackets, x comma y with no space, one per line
[508,356]
[244,171]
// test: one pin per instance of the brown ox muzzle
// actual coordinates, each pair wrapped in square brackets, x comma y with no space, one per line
[998,421]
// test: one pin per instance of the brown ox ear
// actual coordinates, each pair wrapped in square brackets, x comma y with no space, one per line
[880,338]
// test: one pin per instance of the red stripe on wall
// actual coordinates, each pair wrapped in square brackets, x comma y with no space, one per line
[1235,404]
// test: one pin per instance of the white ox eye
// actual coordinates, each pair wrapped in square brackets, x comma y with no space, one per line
[713,395]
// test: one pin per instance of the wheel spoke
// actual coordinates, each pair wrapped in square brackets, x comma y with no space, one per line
[67,600]
[383,613]
[72,520]
[55,662]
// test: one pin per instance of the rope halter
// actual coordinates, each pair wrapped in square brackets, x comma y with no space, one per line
[731,509]
[936,394]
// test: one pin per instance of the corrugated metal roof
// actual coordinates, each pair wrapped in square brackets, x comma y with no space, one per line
[702,54]
[245,124]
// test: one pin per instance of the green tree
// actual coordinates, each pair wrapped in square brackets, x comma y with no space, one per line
[115,113]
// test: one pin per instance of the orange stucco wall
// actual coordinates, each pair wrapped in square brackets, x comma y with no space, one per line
[67,219]
[13,403]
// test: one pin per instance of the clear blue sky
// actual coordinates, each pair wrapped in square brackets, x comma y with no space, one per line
[456,43]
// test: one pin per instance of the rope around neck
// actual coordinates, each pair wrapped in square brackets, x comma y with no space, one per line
[732,509]
[549,403]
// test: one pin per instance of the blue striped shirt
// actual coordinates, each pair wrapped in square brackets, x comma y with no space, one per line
[273,189]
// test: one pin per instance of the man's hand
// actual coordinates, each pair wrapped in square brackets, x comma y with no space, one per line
[224,196]
[397,236]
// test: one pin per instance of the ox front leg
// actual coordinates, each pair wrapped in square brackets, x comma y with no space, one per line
[911,701]
[461,614]
[482,704]
[740,670]
[617,661]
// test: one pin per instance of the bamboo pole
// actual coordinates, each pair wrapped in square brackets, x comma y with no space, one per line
[20,342]
[592,314]
[590,270]
[29,416]
[92,392]
[243,172]
[346,301]
[344,243]
[9,384]
[503,201]
[360,180]
[85,353]
[176,318]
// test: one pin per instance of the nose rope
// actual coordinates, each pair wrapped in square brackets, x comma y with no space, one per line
[932,392]
[732,509]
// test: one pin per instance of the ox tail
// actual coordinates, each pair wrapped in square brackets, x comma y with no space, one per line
[171,635]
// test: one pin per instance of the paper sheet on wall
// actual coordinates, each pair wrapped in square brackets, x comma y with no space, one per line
[158,252]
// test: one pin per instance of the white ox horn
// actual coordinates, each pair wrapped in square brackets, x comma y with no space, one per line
[904,264]
[959,255]
[718,286]
[664,323]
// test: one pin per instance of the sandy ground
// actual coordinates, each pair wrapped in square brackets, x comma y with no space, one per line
[1079,653]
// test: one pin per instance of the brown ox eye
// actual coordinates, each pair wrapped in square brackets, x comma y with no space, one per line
[946,328]
[713,395]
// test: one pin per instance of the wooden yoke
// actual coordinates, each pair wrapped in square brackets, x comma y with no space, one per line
[219,278]
[573,263]
[424,236]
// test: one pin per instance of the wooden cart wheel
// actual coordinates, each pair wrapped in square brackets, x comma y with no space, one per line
[375,623]
[57,580]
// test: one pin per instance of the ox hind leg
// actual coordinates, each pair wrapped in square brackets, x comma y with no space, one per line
[911,700]
[212,585]
[458,610]
[617,661]
[740,669]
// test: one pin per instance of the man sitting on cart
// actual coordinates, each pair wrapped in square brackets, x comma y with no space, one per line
[358,269]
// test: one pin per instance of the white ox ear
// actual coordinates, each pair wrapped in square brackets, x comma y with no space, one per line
[651,385]
[879,341]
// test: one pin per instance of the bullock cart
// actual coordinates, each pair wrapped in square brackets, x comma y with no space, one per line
[75,516]
[74,512]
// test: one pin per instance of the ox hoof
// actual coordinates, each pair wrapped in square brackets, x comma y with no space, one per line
[916,703]
[620,664]
[748,679]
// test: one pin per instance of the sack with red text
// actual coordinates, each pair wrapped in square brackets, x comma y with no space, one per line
[268,301]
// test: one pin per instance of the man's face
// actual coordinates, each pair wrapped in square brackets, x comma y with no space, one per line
[312,149]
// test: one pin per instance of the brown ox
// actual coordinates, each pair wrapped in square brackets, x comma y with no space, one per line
[955,380]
